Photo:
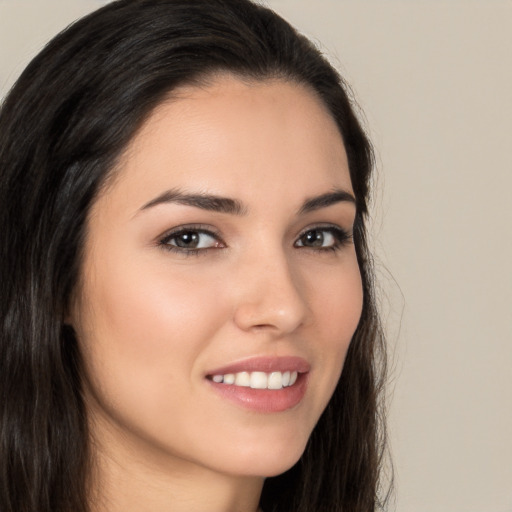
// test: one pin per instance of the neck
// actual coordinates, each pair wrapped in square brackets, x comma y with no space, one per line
[125,479]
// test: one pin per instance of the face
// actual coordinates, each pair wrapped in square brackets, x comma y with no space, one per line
[220,287]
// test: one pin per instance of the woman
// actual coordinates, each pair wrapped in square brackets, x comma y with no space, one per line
[185,273]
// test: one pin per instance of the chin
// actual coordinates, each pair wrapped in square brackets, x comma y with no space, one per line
[268,460]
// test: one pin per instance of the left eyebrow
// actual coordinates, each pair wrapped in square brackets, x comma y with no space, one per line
[202,201]
[325,200]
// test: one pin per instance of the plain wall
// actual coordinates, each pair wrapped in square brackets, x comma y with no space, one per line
[434,79]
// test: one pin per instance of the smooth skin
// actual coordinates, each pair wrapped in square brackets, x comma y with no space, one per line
[171,290]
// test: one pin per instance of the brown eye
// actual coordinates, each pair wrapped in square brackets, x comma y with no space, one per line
[313,238]
[191,240]
[317,238]
[187,240]
[324,238]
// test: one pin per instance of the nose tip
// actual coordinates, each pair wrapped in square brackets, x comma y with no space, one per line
[271,299]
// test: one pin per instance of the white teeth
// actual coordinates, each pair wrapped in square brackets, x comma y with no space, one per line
[243,379]
[229,378]
[258,380]
[275,380]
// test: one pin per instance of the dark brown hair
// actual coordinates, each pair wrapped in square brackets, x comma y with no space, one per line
[62,128]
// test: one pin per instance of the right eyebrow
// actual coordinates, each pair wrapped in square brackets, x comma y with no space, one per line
[328,199]
[203,201]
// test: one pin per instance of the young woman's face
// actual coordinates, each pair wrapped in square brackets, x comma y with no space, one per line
[220,286]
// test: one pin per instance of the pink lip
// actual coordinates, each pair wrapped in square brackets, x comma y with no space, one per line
[265,364]
[264,400]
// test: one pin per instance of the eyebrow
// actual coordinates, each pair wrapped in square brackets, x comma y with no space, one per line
[231,206]
[325,200]
[203,201]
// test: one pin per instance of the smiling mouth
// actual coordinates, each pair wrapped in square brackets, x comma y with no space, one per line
[257,380]
[262,384]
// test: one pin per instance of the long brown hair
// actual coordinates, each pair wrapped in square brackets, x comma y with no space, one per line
[62,127]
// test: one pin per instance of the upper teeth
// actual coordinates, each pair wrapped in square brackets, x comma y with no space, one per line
[258,380]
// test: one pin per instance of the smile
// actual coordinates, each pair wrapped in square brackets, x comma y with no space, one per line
[258,380]
[262,384]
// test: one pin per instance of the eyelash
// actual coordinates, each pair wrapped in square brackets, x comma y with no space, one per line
[341,237]
[192,228]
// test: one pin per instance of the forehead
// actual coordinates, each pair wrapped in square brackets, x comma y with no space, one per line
[234,137]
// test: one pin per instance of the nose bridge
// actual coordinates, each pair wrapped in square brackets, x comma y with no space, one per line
[271,294]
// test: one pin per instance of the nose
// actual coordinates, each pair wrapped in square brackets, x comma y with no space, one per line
[270,296]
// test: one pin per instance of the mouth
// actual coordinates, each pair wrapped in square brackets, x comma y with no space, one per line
[257,380]
[262,384]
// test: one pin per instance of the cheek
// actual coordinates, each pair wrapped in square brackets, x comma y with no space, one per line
[336,300]
[144,306]
[141,331]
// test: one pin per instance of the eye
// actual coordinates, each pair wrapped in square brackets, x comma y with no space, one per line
[323,238]
[191,240]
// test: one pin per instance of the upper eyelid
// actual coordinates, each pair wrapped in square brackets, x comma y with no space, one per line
[200,228]
[325,227]
[332,228]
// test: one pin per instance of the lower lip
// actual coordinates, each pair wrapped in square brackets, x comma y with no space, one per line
[264,400]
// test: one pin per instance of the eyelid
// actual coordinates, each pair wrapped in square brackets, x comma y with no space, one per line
[342,236]
[163,239]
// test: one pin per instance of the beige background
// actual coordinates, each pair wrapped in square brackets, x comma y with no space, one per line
[435,81]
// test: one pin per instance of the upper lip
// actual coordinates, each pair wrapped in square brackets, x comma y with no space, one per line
[265,364]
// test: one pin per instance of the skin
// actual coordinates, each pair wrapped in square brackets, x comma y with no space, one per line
[152,322]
